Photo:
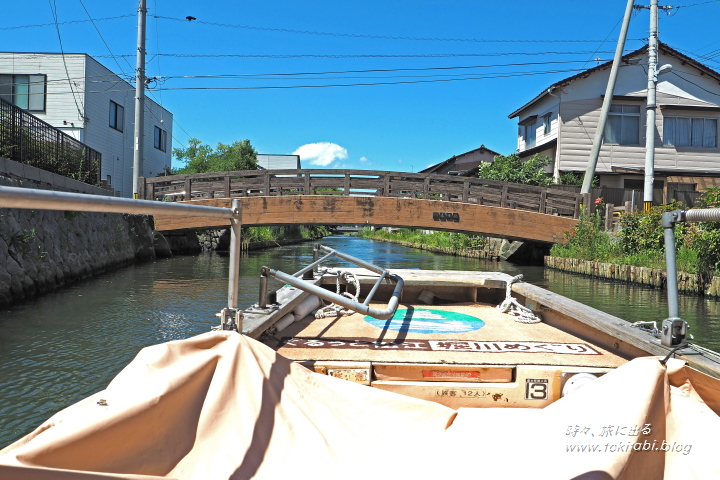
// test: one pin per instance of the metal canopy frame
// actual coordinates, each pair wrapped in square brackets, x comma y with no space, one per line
[296,280]
[674,328]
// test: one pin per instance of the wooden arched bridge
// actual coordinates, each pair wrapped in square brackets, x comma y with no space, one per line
[351,197]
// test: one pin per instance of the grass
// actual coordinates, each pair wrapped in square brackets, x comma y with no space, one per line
[446,240]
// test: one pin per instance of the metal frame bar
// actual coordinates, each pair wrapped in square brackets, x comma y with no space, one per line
[293,280]
[27,198]
[14,197]
[674,326]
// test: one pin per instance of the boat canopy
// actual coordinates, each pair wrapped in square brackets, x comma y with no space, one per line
[221,405]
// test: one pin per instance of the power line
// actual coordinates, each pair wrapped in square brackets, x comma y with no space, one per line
[114,78]
[344,56]
[689,81]
[603,42]
[485,77]
[102,38]
[518,74]
[695,4]
[53,8]
[18,27]
[374,70]
[367,36]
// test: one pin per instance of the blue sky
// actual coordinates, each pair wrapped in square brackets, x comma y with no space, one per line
[384,126]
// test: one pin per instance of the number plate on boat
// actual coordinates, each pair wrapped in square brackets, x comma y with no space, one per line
[357,375]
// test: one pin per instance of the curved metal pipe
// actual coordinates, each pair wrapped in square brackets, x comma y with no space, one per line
[384,314]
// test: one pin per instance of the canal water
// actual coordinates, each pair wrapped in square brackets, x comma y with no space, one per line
[67,345]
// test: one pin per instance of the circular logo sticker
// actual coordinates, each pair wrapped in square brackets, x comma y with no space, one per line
[420,320]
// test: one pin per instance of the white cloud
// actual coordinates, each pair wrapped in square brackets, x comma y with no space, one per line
[321,154]
[363,159]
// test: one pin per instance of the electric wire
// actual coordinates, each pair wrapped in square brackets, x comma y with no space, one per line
[346,56]
[603,42]
[53,8]
[368,36]
[431,80]
[19,27]
[694,4]
[103,39]
[690,81]
[112,77]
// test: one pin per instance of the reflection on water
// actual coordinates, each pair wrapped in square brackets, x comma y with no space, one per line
[65,346]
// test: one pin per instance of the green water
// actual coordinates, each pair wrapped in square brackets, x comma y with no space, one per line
[67,345]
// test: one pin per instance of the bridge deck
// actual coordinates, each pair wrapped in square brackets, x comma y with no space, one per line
[351,197]
[378,211]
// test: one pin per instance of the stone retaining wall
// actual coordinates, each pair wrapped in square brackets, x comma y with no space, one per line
[687,282]
[41,250]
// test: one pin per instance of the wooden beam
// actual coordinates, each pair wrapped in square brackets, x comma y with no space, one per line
[395,212]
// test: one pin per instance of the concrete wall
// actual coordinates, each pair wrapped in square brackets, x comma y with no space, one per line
[32,177]
[41,250]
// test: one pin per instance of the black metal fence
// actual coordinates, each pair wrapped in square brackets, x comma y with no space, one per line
[26,139]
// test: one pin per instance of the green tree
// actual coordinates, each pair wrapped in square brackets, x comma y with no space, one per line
[202,158]
[572,178]
[512,169]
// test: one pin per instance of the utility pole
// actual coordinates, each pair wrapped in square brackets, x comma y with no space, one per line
[651,108]
[607,101]
[139,99]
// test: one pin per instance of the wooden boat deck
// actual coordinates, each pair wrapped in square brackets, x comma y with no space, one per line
[438,334]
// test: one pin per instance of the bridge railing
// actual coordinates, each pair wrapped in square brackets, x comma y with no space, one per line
[250,183]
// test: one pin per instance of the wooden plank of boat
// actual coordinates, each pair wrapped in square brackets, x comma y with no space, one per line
[594,325]
[452,334]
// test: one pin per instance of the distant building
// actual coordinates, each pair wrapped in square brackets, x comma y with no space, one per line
[278,162]
[561,122]
[465,165]
[76,94]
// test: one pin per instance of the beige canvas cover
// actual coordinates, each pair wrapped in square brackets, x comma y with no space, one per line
[221,405]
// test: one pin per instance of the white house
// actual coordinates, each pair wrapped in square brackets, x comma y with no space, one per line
[561,121]
[75,93]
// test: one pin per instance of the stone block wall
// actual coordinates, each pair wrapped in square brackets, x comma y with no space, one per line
[41,250]
[687,282]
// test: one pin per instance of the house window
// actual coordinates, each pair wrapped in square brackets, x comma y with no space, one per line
[690,132]
[623,125]
[546,123]
[160,139]
[117,116]
[530,132]
[25,91]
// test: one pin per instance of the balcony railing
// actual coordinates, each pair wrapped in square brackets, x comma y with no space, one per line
[26,139]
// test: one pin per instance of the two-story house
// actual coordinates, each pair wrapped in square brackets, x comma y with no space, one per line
[75,93]
[561,122]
